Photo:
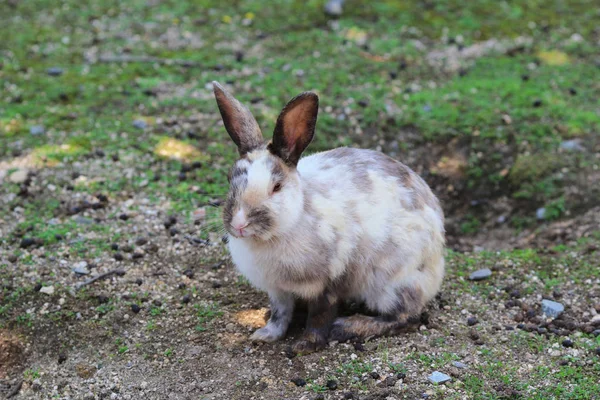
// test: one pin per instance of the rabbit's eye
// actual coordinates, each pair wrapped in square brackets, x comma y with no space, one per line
[277,187]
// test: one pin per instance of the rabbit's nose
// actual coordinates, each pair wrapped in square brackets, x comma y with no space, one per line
[239,220]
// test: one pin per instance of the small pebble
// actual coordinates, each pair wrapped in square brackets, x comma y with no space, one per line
[458,364]
[137,255]
[27,242]
[572,145]
[358,346]
[438,377]
[390,381]
[47,290]
[299,382]
[540,213]
[54,71]
[551,308]
[81,268]
[170,221]
[567,343]
[333,8]
[480,274]
[139,124]
[37,130]
[141,241]
[19,176]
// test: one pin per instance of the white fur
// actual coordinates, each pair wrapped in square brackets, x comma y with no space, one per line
[391,244]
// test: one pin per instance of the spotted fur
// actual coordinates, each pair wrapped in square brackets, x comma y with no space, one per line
[344,224]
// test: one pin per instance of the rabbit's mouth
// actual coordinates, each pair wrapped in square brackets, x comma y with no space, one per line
[242,232]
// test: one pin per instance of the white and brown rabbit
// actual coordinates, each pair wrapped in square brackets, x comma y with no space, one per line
[345,224]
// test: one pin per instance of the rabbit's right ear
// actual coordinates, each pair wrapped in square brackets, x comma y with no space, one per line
[239,122]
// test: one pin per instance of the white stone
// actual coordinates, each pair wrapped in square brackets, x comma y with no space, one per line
[47,289]
[19,176]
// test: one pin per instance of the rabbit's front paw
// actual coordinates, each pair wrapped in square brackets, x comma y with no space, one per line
[267,334]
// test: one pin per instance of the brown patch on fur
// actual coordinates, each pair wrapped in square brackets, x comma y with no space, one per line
[410,300]
[321,314]
[340,153]
[397,169]
[260,219]
[289,274]
[279,170]
[237,170]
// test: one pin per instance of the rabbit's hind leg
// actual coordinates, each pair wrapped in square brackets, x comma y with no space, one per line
[403,317]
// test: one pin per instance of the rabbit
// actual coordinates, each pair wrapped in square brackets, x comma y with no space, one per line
[341,225]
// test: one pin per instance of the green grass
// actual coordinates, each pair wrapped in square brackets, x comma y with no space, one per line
[85,107]
[205,314]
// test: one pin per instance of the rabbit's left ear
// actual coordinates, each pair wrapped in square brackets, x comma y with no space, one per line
[295,128]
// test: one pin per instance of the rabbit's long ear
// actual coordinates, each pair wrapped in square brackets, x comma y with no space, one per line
[295,127]
[239,121]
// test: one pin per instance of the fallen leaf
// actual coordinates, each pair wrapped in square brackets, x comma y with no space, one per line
[176,149]
[553,57]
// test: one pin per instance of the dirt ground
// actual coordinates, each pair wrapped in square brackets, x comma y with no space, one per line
[115,282]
